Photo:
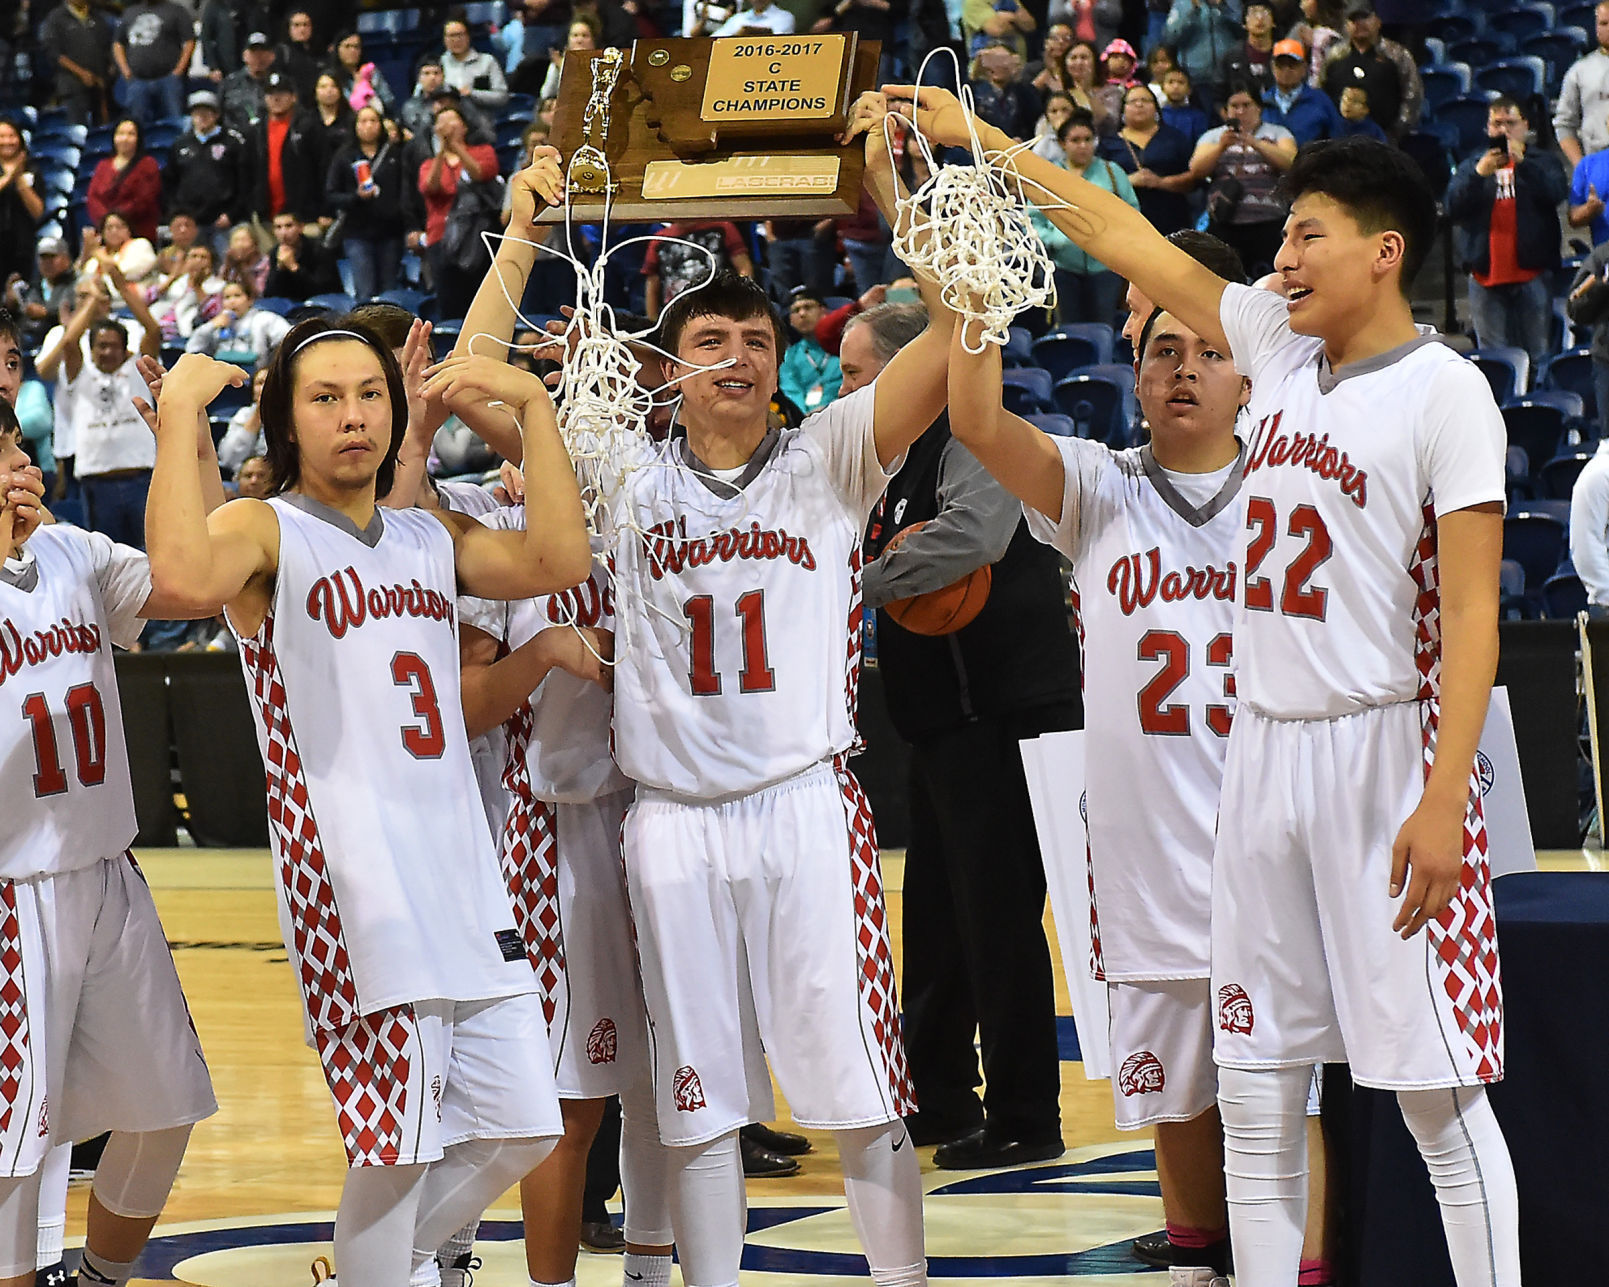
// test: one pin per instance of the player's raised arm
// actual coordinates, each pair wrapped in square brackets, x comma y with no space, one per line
[553,552]
[1102,224]
[1022,458]
[494,687]
[200,564]
[492,312]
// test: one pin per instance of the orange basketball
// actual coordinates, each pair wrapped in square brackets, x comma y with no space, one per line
[942,611]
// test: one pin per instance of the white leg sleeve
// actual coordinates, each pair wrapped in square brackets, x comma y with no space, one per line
[375,1223]
[1464,1150]
[468,1179]
[19,1215]
[1265,1170]
[53,1204]
[709,1210]
[884,1186]
[137,1171]
[645,1168]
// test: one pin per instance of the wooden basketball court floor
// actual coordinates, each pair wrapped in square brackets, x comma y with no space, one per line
[255,1198]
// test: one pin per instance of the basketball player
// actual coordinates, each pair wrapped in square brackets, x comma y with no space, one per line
[1351,902]
[542,667]
[98,1033]
[417,992]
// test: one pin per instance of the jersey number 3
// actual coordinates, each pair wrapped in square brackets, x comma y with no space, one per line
[756,675]
[424,740]
[87,718]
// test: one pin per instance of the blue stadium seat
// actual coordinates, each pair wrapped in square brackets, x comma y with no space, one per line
[1451,28]
[1536,426]
[231,399]
[1098,406]
[1520,22]
[1507,370]
[1558,49]
[1477,51]
[1571,403]
[1444,83]
[1468,116]
[331,303]
[159,138]
[521,105]
[1572,371]
[1522,77]
[1581,16]
[1536,541]
[1057,426]
[276,304]
[1563,596]
[1556,509]
[1068,348]
[1026,389]
[1019,347]
[1517,476]
[1557,477]
[1512,605]
[508,133]
[1562,332]
[1432,155]
[412,300]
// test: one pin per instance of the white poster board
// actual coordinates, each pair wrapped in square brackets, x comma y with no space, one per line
[1509,846]
[1054,766]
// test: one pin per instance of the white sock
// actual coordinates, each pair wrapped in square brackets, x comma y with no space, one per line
[568,1282]
[99,1272]
[708,1210]
[884,1187]
[455,1253]
[1265,1170]
[53,1204]
[1464,1150]
[426,1273]
[645,1271]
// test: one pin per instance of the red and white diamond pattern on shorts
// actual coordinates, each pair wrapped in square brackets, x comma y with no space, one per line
[366,1065]
[872,951]
[329,989]
[1097,962]
[530,859]
[13,1006]
[1464,937]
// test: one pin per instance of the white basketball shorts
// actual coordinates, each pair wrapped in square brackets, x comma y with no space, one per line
[1305,965]
[587,963]
[94,1031]
[417,1078]
[1161,1035]
[761,928]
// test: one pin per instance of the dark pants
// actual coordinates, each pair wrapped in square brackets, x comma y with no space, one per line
[1088,297]
[376,264]
[798,261]
[115,507]
[454,287]
[975,956]
[1257,243]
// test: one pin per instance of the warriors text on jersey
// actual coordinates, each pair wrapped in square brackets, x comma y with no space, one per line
[739,631]
[1345,474]
[1154,573]
[388,884]
[66,793]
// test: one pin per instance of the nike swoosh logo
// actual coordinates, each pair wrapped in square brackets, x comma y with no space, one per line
[636,1278]
[900,1143]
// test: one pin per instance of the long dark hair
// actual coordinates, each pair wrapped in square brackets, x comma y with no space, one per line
[275,412]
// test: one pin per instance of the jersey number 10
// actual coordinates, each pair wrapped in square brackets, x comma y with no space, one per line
[87,718]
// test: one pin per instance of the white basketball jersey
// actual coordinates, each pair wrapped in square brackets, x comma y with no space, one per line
[1345,475]
[65,793]
[388,884]
[566,733]
[1154,579]
[738,634]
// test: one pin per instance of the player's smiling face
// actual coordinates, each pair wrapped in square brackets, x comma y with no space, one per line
[734,396]
[342,414]
[1331,268]
[1188,388]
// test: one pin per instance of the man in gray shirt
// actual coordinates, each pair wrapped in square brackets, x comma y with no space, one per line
[1581,116]
[78,43]
[152,52]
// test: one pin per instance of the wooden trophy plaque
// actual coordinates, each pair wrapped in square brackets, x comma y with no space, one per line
[743,127]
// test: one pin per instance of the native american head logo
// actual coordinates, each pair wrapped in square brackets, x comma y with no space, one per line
[1234,1009]
[687,1090]
[602,1042]
[1141,1074]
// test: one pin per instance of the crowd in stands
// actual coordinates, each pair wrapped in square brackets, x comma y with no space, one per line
[192,178]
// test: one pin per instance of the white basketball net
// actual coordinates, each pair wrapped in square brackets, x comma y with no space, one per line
[969,231]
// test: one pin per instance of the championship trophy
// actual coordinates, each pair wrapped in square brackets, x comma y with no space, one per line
[743,127]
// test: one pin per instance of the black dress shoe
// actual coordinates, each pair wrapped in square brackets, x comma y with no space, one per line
[1155,1249]
[603,1237]
[926,1130]
[983,1150]
[761,1163]
[784,1142]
